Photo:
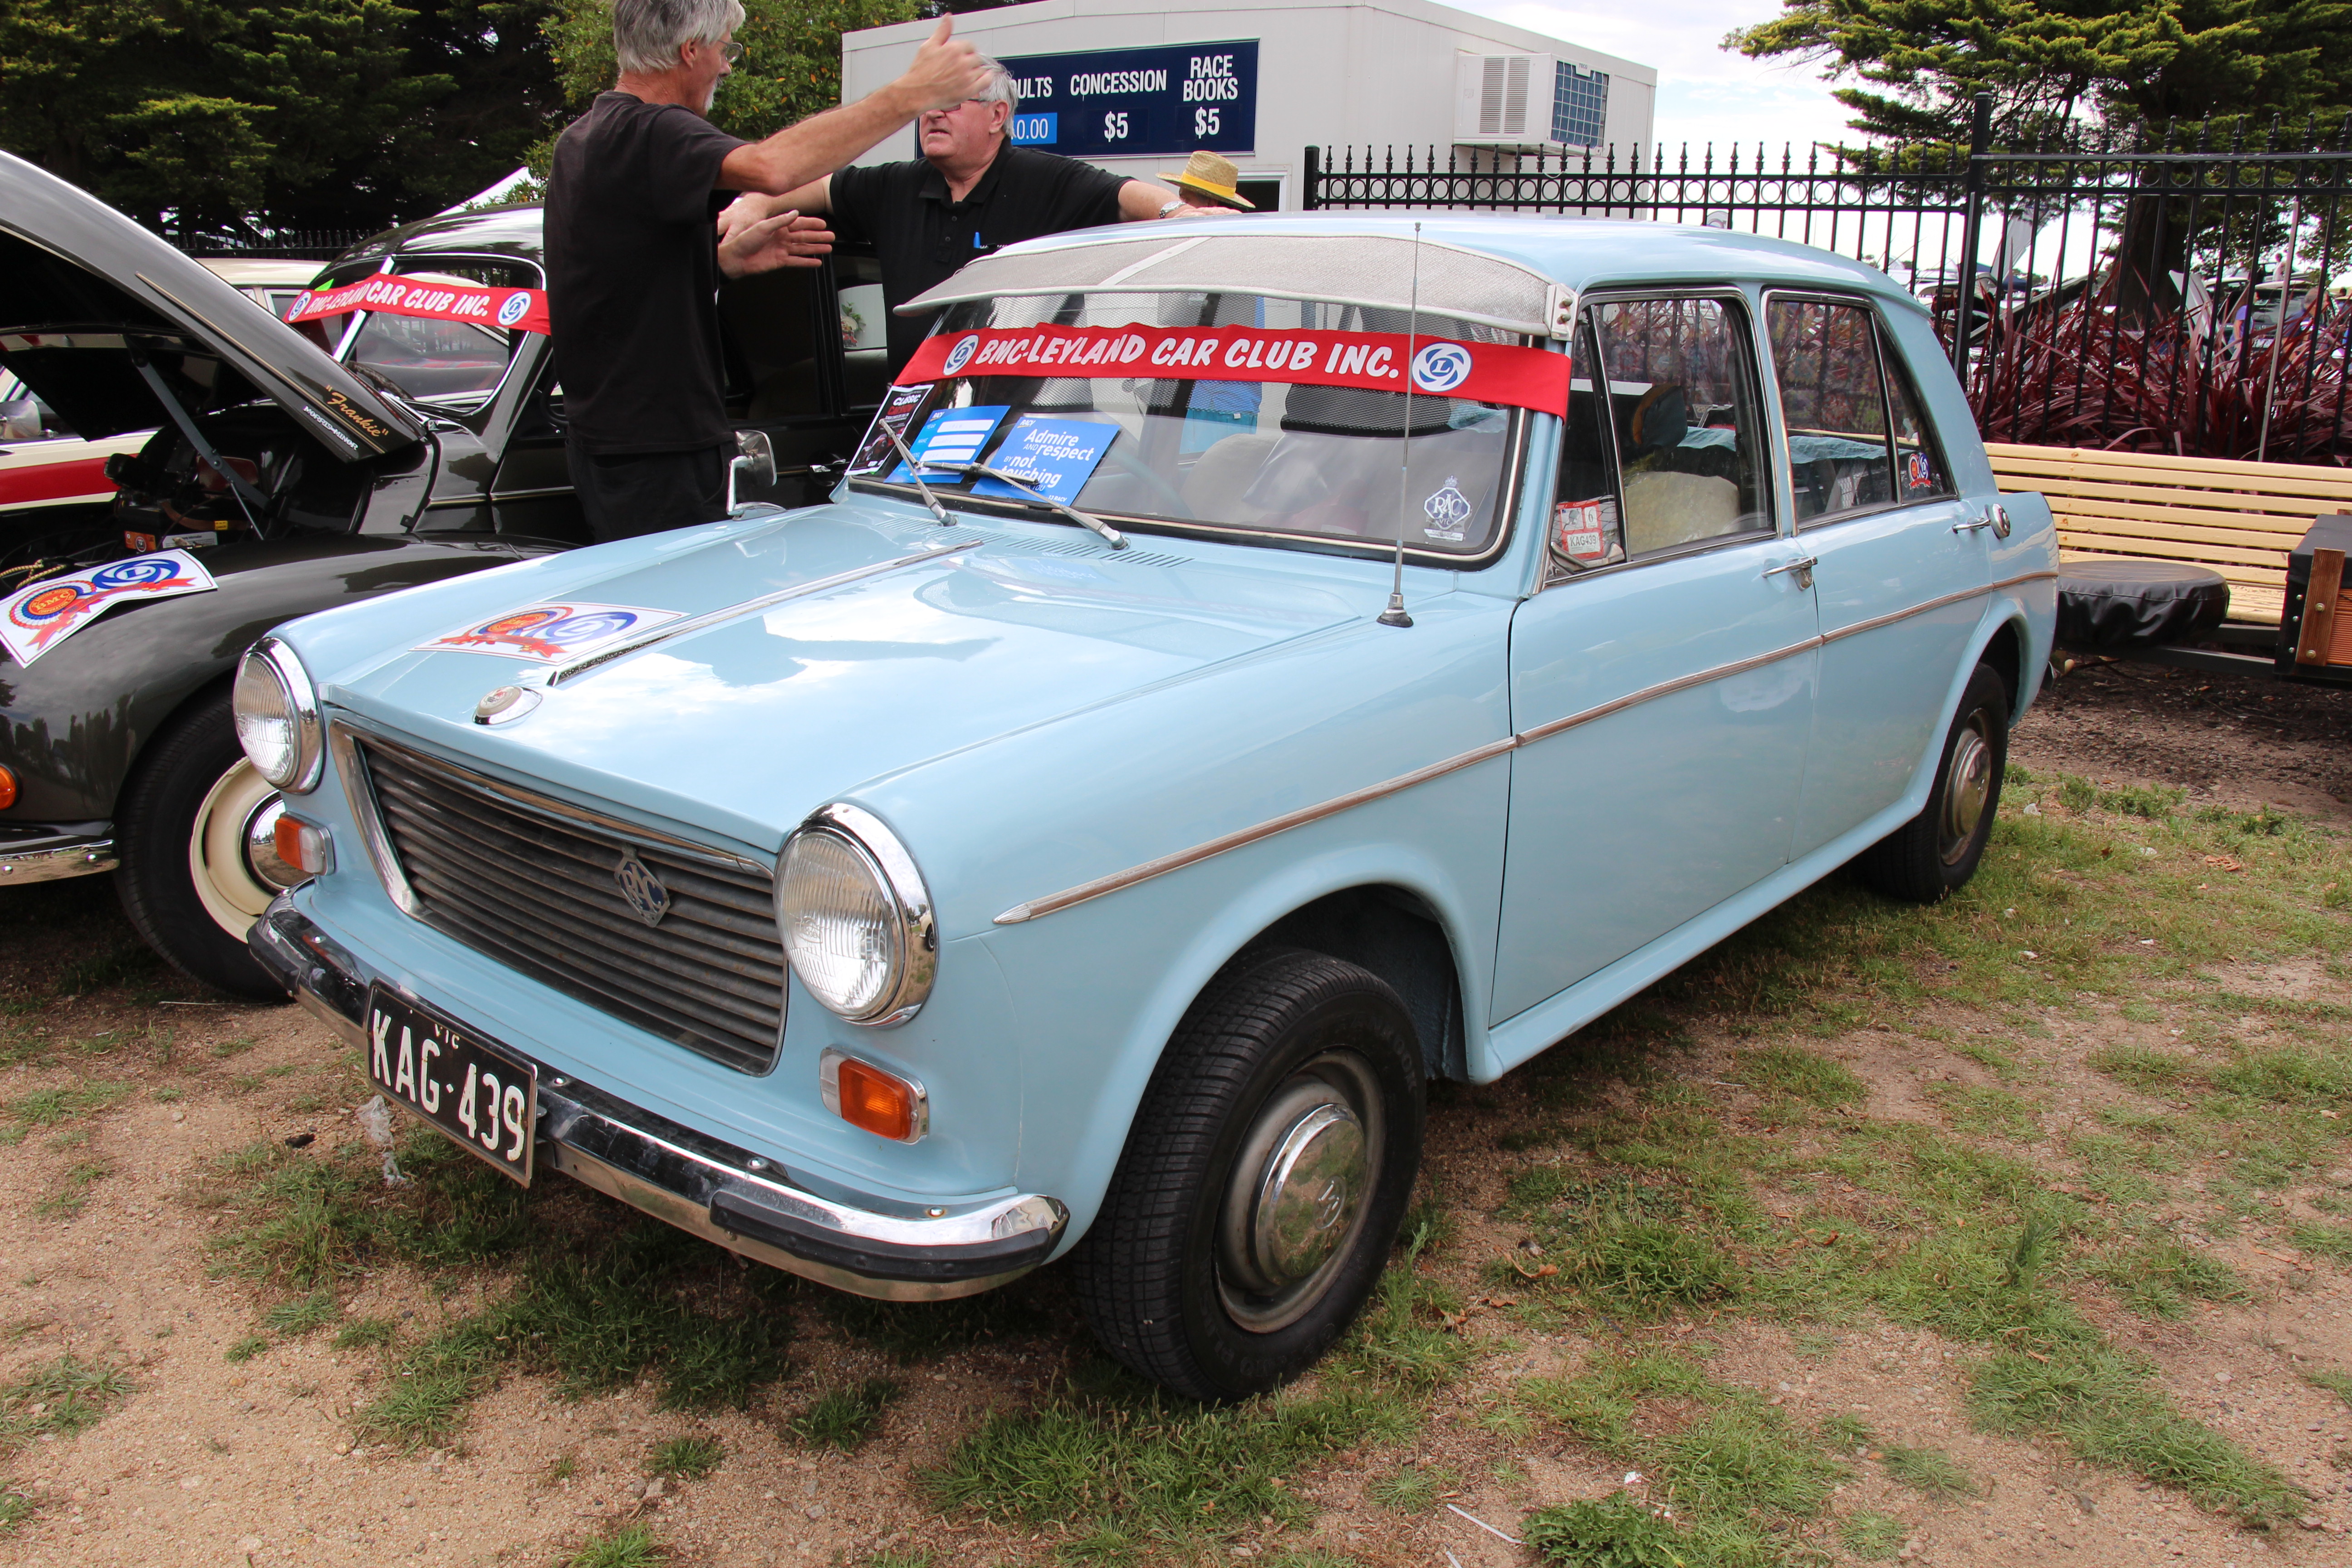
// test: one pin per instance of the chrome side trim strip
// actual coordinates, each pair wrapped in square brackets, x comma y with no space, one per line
[1053,902]
[1938,603]
[533,802]
[1665,688]
[693,624]
[1235,840]
[21,868]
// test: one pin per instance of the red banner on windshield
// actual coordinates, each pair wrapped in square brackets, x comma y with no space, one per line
[517,309]
[1377,361]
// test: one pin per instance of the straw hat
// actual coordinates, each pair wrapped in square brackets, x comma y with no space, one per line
[1212,176]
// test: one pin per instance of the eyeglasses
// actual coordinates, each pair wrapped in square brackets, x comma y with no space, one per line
[731,49]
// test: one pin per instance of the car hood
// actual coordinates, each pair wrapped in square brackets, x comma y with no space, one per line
[746,723]
[89,292]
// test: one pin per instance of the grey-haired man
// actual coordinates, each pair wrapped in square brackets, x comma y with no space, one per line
[633,259]
[970,191]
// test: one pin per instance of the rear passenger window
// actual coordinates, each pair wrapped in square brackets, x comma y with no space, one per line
[1683,407]
[1825,357]
[1919,471]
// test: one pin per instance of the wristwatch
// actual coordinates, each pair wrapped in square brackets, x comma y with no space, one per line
[1171,208]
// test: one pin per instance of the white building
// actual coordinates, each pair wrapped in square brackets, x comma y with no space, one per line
[1137,85]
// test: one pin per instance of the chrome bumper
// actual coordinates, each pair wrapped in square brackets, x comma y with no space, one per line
[719,1192]
[51,857]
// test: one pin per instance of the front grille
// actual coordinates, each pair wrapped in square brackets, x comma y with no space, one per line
[535,891]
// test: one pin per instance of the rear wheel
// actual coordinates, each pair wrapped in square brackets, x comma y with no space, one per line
[195,833]
[1937,850]
[1262,1181]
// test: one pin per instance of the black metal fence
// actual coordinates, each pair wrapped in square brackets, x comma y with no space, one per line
[293,245]
[2188,291]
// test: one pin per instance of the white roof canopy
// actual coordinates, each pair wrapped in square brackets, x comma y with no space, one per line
[1384,272]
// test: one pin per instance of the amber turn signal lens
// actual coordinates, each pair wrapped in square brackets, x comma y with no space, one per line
[7,789]
[304,846]
[884,1105]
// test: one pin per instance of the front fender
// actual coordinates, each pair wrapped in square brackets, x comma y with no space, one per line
[72,724]
[1119,971]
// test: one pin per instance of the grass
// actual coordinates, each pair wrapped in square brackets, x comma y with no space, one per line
[1930,1472]
[302,1315]
[245,1349]
[843,1418]
[2158,1279]
[1872,1536]
[1412,1489]
[59,1399]
[73,1192]
[361,1333]
[16,1508]
[1801,1074]
[687,1458]
[48,1107]
[634,1547]
[2338,1383]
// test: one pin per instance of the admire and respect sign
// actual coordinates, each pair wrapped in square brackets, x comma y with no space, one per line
[517,309]
[1377,361]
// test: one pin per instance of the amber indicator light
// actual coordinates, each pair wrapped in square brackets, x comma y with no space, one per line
[877,1101]
[7,789]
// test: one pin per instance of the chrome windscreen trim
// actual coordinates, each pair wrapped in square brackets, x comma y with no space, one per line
[1235,840]
[549,806]
[693,624]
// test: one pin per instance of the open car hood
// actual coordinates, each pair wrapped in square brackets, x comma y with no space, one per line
[89,295]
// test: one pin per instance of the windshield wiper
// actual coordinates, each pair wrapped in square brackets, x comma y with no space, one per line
[915,471]
[1118,541]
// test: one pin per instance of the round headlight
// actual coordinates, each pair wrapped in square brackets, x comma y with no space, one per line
[277,716]
[855,918]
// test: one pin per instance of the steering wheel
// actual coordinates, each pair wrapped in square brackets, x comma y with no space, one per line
[1151,480]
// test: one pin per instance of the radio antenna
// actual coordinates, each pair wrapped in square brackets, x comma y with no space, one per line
[1394,615]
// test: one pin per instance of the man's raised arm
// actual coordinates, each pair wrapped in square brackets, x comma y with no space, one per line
[944,71]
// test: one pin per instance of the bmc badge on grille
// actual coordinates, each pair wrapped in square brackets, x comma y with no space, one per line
[644,891]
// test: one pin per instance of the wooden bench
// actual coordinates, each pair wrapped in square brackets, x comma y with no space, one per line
[2240,518]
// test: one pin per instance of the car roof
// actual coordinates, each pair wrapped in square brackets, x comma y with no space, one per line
[1579,253]
[514,230]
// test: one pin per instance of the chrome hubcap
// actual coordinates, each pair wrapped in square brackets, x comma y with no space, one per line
[1296,1199]
[1968,787]
[261,845]
[233,850]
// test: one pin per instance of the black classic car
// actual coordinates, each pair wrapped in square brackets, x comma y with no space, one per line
[300,467]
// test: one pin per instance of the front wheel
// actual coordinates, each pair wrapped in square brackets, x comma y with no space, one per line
[1937,850]
[1262,1181]
[195,832]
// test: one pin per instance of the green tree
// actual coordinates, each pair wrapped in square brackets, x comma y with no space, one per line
[1920,62]
[248,116]
[791,66]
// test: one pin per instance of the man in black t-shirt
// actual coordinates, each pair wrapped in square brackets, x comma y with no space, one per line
[970,191]
[634,260]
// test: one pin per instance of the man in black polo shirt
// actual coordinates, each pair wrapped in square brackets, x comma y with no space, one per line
[970,191]
[634,260]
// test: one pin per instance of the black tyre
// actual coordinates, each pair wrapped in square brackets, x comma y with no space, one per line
[194,831]
[1261,1184]
[1937,850]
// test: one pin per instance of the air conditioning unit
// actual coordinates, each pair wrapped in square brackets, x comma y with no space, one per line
[1527,101]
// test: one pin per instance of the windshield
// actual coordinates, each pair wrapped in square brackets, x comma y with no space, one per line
[433,360]
[1321,454]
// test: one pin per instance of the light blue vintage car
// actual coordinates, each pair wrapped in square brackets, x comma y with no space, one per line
[1308,657]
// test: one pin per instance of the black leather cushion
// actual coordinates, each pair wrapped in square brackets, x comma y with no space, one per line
[2138,603]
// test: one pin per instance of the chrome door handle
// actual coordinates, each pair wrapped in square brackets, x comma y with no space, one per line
[1995,518]
[1803,568]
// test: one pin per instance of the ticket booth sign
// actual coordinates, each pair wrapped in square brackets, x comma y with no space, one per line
[1165,102]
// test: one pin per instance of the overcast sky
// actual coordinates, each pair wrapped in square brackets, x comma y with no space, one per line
[1706,92]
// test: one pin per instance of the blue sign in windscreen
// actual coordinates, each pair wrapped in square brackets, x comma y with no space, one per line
[953,436]
[1053,457]
[1164,101]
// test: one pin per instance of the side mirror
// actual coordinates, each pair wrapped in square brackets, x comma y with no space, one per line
[756,456]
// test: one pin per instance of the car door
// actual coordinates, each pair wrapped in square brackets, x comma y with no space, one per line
[1896,570]
[1661,682]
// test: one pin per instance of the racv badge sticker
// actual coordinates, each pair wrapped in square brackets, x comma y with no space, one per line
[1447,510]
[551,634]
[35,619]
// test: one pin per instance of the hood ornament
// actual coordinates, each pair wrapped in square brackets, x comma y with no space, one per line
[504,703]
[649,899]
